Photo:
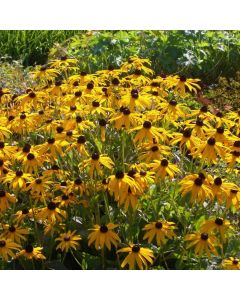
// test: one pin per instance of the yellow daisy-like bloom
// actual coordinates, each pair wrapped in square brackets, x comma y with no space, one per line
[51,213]
[164,168]
[216,224]
[23,214]
[103,236]
[137,255]
[149,132]
[153,151]
[125,119]
[31,252]
[18,179]
[231,263]
[161,230]
[119,184]
[44,73]
[233,198]
[185,139]
[171,111]
[6,200]
[15,233]
[79,145]
[203,243]
[68,240]
[221,189]
[96,162]
[210,150]
[182,84]
[6,248]
[136,101]
[198,186]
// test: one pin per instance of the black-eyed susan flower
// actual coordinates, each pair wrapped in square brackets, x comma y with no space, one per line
[51,213]
[103,236]
[183,84]
[198,185]
[210,150]
[148,132]
[203,242]
[7,248]
[221,189]
[17,180]
[163,168]
[217,225]
[15,233]
[231,263]
[30,252]
[68,240]
[125,119]
[96,162]
[6,199]
[137,255]
[160,230]
[119,184]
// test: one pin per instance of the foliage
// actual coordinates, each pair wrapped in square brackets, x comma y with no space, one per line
[202,54]
[30,46]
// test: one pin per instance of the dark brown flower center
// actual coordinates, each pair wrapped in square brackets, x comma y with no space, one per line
[25,211]
[115,81]
[135,249]
[126,111]
[219,221]
[173,102]
[95,156]
[154,149]
[90,86]
[2,243]
[235,261]
[147,124]
[103,229]
[78,94]
[59,129]
[187,133]
[204,109]
[29,248]
[204,236]
[51,141]
[19,173]
[78,181]
[30,156]
[2,193]
[164,162]
[95,103]
[67,238]
[81,139]
[38,181]
[236,144]
[78,119]
[220,130]
[218,181]
[158,225]
[52,206]
[73,107]
[119,174]
[12,229]
[211,141]
[102,122]
[198,181]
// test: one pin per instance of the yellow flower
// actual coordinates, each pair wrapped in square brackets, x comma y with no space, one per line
[31,252]
[203,243]
[161,230]
[51,213]
[231,263]
[216,225]
[6,248]
[164,168]
[103,236]
[96,162]
[68,240]
[137,255]
[15,233]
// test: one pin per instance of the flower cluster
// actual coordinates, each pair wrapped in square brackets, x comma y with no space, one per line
[117,160]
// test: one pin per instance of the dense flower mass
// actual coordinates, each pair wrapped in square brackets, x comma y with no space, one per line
[117,170]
